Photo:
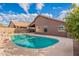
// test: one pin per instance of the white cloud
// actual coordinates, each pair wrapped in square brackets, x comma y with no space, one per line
[11,12]
[39,6]
[47,15]
[26,17]
[1,18]
[63,14]
[25,6]
[6,18]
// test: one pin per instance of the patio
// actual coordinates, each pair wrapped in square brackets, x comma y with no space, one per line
[63,48]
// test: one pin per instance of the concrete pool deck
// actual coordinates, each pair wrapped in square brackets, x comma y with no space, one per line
[63,48]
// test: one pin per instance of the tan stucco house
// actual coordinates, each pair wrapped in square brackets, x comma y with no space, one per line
[46,25]
[42,25]
[20,27]
[16,24]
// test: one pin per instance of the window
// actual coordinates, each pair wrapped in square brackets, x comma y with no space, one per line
[45,29]
[61,28]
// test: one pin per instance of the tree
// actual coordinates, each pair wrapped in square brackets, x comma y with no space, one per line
[72,23]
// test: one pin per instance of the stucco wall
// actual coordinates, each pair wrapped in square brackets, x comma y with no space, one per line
[20,30]
[52,26]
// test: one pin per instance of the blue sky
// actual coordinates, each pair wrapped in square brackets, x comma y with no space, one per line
[14,10]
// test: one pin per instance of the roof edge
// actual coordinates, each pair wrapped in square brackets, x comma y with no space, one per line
[47,18]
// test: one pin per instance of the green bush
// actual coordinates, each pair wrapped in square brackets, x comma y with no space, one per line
[72,23]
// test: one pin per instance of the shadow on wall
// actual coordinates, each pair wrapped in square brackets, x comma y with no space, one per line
[20,30]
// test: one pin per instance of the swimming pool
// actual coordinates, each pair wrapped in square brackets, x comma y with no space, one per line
[29,41]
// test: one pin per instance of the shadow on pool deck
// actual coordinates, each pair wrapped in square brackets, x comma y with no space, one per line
[76,48]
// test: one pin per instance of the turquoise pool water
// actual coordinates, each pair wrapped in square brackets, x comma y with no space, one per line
[29,41]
